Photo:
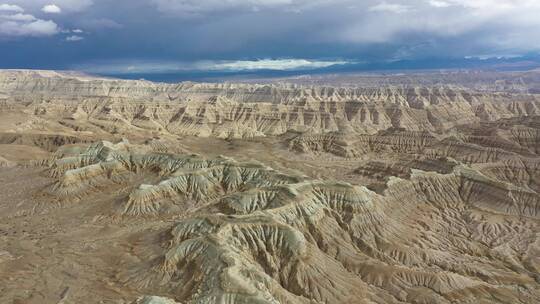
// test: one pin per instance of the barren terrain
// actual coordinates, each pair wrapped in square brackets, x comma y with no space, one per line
[113,190]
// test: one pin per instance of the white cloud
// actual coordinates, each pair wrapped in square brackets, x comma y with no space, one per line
[439,3]
[11,8]
[268,64]
[130,67]
[34,28]
[51,9]
[13,23]
[74,38]
[40,28]
[65,5]
[78,31]
[390,8]
[18,17]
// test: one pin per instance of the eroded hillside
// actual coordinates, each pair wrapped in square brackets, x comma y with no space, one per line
[239,193]
[229,110]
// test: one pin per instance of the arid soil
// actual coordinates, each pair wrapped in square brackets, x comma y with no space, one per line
[117,191]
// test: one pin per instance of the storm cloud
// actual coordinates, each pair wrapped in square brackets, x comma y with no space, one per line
[267,34]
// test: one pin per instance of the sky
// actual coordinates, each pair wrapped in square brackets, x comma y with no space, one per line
[196,37]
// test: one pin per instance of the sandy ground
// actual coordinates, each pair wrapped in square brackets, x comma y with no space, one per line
[51,253]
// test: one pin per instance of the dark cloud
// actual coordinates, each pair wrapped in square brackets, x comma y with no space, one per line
[153,34]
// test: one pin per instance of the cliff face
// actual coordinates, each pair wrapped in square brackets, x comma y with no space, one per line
[245,110]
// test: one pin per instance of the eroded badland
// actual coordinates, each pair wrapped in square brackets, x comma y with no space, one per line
[279,193]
